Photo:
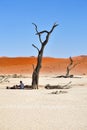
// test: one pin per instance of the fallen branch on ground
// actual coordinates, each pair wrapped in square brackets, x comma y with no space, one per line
[64,76]
[5,79]
[67,86]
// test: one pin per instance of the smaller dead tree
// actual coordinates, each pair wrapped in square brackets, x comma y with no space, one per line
[68,69]
[35,75]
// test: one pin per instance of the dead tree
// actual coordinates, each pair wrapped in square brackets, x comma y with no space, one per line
[35,75]
[70,67]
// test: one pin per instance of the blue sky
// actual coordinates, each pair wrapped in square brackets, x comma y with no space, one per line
[17,34]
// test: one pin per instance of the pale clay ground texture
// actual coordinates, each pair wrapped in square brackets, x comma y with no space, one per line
[42,110]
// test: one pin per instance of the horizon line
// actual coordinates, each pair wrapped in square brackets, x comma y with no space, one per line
[42,57]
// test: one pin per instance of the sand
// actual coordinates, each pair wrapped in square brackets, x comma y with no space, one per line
[42,110]
[23,65]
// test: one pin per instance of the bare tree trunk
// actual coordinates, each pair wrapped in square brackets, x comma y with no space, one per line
[35,75]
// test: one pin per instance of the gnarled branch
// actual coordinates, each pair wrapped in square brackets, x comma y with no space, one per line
[35,27]
[35,47]
[44,31]
[37,33]
[53,27]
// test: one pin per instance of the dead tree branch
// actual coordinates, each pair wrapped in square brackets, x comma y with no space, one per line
[66,86]
[5,79]
[35,47]
[37,33]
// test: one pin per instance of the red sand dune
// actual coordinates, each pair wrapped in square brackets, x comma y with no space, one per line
[23,65]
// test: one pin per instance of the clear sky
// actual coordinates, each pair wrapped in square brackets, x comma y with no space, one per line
[17,34]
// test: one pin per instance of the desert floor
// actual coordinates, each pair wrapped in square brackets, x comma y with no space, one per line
[42,110]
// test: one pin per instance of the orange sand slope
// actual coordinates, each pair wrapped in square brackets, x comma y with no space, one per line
[23,65]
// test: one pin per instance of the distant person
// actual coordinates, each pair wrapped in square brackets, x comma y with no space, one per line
[21,85]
